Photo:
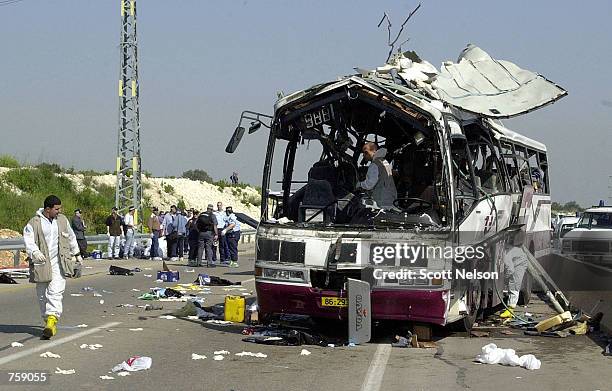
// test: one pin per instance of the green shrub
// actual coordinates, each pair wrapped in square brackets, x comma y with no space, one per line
[253,199]
[198,175]
[51,167]
[168,189]
[9,161]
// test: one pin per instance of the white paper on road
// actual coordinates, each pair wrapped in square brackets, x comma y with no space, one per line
[76,294]
[96,294]
[91,347]
[123,374]
[251,354]
[214,321]
[148,275]
[192,317]
[81,326]
[133,364]
[167,317]
[135,290]
[60,371]
[223,352]
[101,301]
[137,329]
[16,345]
[195,356]
[218,358]
[50,355]
[305,352]
[106,377]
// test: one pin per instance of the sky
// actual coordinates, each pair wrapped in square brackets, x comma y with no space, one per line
[202,62]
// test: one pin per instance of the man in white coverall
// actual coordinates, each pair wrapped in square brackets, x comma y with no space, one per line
[515,264]
[53,255]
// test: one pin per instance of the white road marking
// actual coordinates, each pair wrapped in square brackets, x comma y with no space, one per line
[57,342]
[374,376]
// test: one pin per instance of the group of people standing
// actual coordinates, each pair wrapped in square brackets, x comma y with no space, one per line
[199,234]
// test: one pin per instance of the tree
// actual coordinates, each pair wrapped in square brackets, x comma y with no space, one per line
[198,175]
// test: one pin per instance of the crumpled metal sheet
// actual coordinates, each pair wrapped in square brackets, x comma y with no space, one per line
[493,88]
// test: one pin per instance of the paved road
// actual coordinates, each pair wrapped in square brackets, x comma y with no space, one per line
[567,364]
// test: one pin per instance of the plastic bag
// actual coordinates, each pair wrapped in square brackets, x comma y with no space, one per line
[133,364]
[491,354]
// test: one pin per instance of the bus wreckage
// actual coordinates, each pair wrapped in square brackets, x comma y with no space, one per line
[458,179]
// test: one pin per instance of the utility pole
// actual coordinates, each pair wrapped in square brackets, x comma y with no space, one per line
[129,186]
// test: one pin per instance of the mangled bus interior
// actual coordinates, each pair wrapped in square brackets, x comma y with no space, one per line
[321,171]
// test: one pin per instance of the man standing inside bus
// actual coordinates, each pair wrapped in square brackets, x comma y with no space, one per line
[515,265]
[379,179]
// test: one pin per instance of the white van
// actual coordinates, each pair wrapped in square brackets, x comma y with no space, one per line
[591,240]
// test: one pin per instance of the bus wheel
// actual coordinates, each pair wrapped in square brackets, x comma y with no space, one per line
[473,300]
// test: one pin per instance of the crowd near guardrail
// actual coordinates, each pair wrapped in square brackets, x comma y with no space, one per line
[17,245]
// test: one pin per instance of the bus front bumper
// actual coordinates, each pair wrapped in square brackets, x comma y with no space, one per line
[427,306]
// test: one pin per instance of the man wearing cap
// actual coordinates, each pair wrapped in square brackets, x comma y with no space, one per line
[113,230]
[78,226]
[207,228]
[129,223]
[232,235]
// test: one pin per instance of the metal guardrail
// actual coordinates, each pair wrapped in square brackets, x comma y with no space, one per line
[17,245]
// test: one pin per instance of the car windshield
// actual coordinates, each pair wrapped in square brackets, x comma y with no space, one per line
[596,220]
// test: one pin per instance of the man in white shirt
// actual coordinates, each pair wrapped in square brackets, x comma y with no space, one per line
[128,221]
[515,264]
[53,254]
[223,248]
[379,179]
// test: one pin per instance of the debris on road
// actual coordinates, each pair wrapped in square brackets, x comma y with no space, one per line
[205,279]
[16,345]
[137,329]
[148,275]
[119,271]
[549,323]
[102,301]
[123,374]
[76,294]
[106,377]
[218,357]
[479,334]
[50,355]
[167,317]
[251,354]
[91,347]
[195,356]
[222,352]
[133,364]
[491,354]
[305,352]
[5,278]
[59,371]
[222,322]
[135,290]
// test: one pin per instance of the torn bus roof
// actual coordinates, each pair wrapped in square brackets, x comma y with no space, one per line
[477,84]
[493,88]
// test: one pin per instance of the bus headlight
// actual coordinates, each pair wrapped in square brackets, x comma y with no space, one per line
[282,274]
[566,245]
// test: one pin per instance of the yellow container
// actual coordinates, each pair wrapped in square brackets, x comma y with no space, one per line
[234,308]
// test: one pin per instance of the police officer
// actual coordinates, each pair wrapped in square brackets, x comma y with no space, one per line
[232,235]
[207,228]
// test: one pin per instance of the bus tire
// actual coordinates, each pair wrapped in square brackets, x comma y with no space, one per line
[474,302]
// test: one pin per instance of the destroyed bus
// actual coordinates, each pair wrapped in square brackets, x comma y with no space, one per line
[460,177]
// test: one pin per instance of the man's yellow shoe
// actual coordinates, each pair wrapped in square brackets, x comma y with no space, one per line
[50,327]
[508,313]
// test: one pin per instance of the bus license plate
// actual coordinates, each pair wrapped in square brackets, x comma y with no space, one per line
[334,302]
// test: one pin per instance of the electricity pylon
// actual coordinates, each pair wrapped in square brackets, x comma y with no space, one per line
[129,186]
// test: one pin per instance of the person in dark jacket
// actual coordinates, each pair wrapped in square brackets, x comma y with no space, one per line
[79,227]
[193,237]
[207,228]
